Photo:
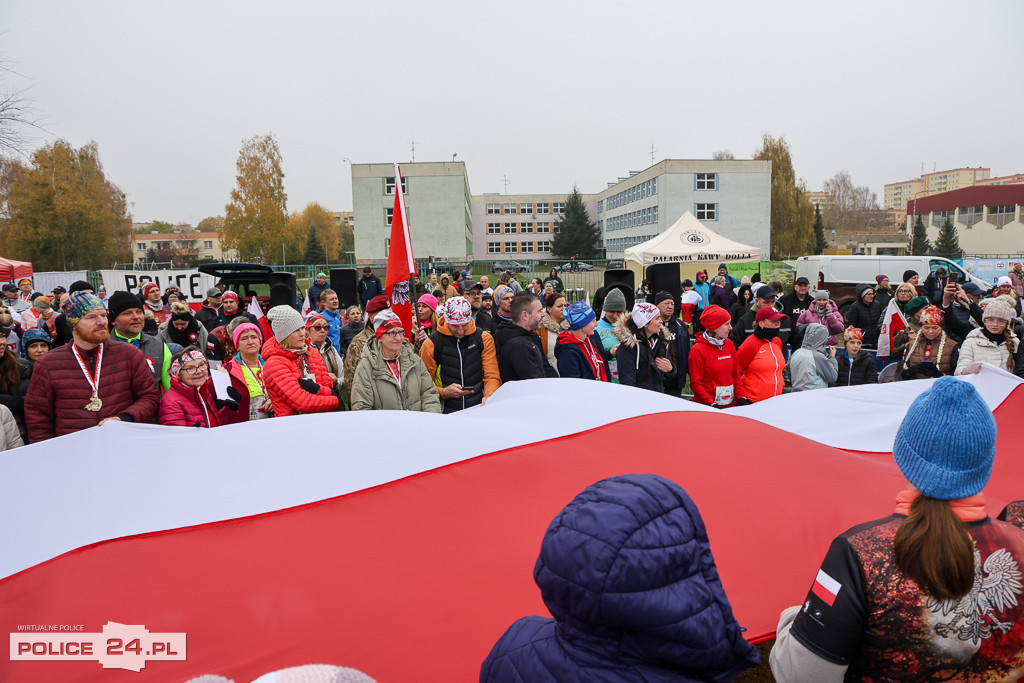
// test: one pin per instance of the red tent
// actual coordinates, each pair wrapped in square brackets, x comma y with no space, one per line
[11,269]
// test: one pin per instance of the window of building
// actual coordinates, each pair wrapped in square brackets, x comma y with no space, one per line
[654,185]
[543,208]
[510,228]
[706,181]
[557,228]
[543,227]
[494,247]
[558,207]
[706,212]
[1000,215]
[142,246]
[527,247]
[387,216]
[510,208]
[389,186]
[493,228]
[208,244]
[526,227]
[939,217]
[510,247]
[600,206]
[525,208]
[493,208]
[969,215]
[544,246]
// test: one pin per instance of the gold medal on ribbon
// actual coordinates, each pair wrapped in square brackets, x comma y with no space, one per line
[94,404]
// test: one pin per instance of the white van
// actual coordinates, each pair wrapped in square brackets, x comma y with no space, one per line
[840,275]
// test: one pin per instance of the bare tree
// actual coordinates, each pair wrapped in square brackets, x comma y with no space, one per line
[18,118]
[723,154]
[850,207]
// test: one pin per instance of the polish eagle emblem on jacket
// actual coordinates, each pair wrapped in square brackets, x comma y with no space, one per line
[996,588]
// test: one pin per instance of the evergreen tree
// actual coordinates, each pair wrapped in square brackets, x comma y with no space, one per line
[919,244]
[948,242]
[819,232]
[576,235]
[314,250]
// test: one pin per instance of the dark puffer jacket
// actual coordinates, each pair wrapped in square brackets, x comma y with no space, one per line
[867,317]
[862,371]
[58,393]
[634,592]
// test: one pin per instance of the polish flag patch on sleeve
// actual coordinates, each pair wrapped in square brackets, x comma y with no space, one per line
[825,587]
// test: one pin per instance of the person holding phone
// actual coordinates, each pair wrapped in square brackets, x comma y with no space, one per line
[461,358]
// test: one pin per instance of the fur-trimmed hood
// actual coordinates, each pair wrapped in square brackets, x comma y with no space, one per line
[549,324]
[626,333]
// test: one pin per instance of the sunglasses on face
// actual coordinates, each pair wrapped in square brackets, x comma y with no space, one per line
[319,328]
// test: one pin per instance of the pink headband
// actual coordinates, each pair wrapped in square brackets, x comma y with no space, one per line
[242,328]
[177,363]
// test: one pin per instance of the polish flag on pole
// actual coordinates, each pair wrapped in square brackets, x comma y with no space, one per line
[892,322]
[401,265]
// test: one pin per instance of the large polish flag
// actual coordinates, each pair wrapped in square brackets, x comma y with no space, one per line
[405,547]
[401,265]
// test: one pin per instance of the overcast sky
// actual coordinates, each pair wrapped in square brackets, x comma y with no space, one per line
[546,93]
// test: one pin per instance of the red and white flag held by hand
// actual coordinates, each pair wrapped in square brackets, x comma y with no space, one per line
[401,265]
[892,322]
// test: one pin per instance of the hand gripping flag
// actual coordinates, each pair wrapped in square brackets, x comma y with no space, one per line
[401,265]
[892,322]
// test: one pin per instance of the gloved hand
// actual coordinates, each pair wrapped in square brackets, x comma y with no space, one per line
[231,401]
[743,401]
[336,392]
[715,405]
[309,385]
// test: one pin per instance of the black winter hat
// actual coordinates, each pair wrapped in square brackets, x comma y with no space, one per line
[119,302]
[79,286]
[907,274]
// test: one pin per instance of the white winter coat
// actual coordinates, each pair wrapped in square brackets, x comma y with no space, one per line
[976,347]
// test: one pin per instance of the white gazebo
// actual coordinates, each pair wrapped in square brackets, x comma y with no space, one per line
[690,241]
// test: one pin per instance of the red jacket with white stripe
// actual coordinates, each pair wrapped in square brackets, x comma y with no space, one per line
[761,363]
[712,366]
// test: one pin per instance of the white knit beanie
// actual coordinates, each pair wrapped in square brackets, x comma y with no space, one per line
[1000,310]
[283,321]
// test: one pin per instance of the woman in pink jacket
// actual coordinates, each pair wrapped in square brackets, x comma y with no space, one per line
[190,402]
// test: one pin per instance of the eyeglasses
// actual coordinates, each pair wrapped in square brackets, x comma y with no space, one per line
[395,333]
[194,369]
[319,328]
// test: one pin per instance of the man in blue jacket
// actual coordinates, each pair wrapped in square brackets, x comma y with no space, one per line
[369,286]
[627,571]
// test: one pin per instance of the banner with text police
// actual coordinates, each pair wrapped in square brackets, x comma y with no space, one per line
[191,282]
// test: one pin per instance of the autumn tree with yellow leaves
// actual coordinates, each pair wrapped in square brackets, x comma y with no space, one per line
[61,212]
[256,219]
[792,216]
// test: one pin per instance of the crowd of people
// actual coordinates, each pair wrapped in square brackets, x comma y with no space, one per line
[726,342]
[79,359]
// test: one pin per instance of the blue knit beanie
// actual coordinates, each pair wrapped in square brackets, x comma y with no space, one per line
[579,315]
[947,441]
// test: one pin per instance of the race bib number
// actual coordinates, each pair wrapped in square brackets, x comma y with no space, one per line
[723,395]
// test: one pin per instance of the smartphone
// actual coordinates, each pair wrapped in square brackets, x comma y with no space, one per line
[954,278]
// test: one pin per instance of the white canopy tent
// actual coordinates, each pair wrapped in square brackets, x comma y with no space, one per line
[689,241]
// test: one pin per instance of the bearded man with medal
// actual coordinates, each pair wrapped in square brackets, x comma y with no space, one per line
[90,381]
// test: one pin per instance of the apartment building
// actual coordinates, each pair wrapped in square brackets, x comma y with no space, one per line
[179,249]
[509,225]
[437,203]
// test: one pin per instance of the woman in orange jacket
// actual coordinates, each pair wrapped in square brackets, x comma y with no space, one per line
[761,358]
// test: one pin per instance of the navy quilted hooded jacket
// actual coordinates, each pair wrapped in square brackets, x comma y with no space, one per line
[626,570]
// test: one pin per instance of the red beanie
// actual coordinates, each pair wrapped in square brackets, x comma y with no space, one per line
[714,317]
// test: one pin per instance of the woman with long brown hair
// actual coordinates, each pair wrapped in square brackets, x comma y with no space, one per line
[15,373]
[931,592]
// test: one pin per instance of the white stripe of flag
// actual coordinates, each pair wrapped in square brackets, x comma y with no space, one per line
[825,587]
